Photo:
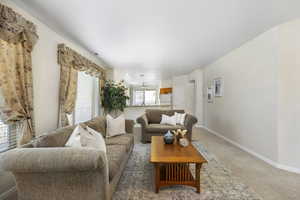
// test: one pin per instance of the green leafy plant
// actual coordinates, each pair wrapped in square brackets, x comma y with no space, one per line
[114,96]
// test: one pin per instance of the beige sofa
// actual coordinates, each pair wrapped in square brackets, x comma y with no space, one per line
[150,123]
[46,170]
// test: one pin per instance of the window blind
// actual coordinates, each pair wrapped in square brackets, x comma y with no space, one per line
[9,135]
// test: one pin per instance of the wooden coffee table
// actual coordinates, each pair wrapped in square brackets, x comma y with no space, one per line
[172,164]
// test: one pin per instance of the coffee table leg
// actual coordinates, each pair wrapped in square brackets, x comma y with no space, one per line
[157,177]
[198,168]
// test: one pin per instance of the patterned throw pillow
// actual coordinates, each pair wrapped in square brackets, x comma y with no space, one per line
[93,139]
[86,137]
[74,139]
[170,120]
[180,117]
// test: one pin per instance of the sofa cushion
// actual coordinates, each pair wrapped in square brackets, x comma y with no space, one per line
[127,140]
[57,138]
[98,124]
[115,156]
[158,128]
[154,115]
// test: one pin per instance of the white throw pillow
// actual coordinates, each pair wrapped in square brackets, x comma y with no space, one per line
[180,118]
[165,119]
[115,126]
[88,137]
[74,139]
[93,139]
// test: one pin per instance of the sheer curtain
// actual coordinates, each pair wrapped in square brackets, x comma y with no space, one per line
[88,98]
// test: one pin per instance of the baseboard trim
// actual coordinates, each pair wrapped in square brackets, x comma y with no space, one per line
[261,157]
[8,193]
[199,126]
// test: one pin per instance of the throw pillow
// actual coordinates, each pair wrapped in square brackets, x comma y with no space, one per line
[93,139]
[180,117]
[170,120]
[115,126]
[74,139]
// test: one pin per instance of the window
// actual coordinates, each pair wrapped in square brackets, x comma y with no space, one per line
[139,97]
[87,101]
[8,136]
[150,97]
[144,96]
[8,133]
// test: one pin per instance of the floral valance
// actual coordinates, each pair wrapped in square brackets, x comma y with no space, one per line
[15,28]
[69,57]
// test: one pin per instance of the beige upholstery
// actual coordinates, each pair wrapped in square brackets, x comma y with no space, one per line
[127,140]
[150,123]
[45,169]
[157,128]
[115,154]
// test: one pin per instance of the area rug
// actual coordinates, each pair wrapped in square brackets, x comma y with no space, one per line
[217,182]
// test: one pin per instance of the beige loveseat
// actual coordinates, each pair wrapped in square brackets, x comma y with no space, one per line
[46,170]
[150,123]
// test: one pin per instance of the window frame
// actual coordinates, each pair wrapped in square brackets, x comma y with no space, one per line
[143,89]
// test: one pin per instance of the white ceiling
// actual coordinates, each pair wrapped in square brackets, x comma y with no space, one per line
[161,37]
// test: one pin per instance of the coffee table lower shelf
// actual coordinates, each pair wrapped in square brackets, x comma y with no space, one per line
[167,174]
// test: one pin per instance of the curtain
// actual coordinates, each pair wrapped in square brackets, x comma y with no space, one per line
[16,86]
[17,38]
[71,62]
[68,92]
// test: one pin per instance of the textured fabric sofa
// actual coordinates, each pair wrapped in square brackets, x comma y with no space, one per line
[150,123]
[46,170]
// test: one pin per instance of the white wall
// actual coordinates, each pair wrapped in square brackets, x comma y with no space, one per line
[46,71]
[166,83]
[247,113]
[289,94]
[197,76]
[180,92]
[260,106]
[188,93]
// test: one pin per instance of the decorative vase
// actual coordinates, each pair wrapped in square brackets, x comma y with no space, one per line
[168,138]
[178,137]
[184,142]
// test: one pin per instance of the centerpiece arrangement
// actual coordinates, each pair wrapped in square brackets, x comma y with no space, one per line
[180,137]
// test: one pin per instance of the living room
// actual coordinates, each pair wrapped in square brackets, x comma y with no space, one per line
[217,80]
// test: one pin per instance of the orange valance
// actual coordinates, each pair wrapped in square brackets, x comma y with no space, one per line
[165,90]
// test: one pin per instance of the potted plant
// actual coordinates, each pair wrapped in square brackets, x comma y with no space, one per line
[114,97]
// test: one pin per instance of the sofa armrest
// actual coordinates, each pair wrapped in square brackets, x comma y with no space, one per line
[63,159]
[129,124]
[189,121]
[143,120]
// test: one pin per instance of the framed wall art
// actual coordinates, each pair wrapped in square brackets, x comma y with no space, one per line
[210,94]
[218,87]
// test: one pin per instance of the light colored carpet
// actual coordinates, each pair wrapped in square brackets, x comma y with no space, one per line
[217,182]
[269,182]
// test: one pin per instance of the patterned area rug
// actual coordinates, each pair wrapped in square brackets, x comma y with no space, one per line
[217,182]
